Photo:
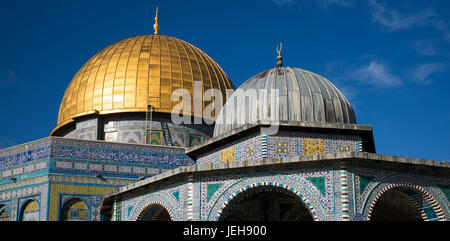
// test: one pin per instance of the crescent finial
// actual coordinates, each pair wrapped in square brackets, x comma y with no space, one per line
[279,58]
[279,47]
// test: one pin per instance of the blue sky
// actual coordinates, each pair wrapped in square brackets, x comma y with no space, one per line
[390,58]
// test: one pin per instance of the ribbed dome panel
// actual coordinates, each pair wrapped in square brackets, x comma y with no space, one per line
[303,96]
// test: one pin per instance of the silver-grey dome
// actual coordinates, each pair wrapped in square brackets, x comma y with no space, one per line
[303,96]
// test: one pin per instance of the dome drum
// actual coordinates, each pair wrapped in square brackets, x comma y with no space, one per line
[131,128]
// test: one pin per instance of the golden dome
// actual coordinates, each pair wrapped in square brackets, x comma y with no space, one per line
[121,77]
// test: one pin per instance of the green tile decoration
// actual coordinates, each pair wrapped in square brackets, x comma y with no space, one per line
[446,191]
[319,182]
[176,195]
[211,189]
[363,182]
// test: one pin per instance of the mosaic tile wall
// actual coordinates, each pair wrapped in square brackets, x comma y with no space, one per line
[131,129]
[28,152]
[280,145]
[247,148]
[295,143]
[13,196]
[319,186]
[367,183]
[86,129]
[25,170]
[76,163]
[51,192]
[114,160]
[119,153]
[173,198]
[68,156]
[91,195]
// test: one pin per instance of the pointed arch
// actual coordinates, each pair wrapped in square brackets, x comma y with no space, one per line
[434,212]
[269,188]
[75,209]
[154,211]
[30,210]
[289,188]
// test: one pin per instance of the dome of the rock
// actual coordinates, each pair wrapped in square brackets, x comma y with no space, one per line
[129,74]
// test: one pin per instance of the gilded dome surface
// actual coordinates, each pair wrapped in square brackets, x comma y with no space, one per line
[303,96]
[125,75]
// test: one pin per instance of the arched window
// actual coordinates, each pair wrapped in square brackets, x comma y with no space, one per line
[75,210]
[154,212]
[395,206]
[403,202]
[4,214]
[266,203]
[30,211]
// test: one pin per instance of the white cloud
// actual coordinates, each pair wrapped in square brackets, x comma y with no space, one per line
[394,20]
[422,73]
[376,74]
